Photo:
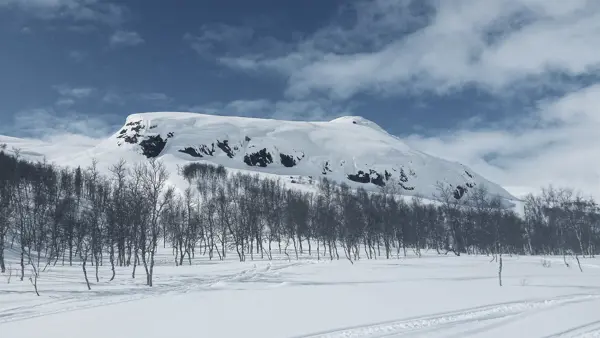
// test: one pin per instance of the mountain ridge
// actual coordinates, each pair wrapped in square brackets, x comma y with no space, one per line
[349,149]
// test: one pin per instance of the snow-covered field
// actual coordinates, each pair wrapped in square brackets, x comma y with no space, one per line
[431,296]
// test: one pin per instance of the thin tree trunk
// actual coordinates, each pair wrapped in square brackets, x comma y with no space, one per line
[85,274]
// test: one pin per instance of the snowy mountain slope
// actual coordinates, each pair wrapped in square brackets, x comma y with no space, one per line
[348,149]
[39,150]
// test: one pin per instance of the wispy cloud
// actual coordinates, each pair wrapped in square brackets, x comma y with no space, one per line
[100,11]
[115,97]
[218,38]
[76,55]
[439,46]
[153,96]
[125,38]
[541,53]
[74,92]
[65,102]
[560,148]
[312,110]
[222,42]
[46,123]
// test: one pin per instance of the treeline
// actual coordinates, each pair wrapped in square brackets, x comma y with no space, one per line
[63,216]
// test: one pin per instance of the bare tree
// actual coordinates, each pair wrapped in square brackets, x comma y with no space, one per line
[157,195]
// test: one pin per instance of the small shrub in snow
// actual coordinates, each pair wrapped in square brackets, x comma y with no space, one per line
[546,263]
[9,274]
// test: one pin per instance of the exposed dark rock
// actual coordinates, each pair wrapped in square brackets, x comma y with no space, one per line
[468,174]
[371,177]
[225,147]
[201,151]
[170,134]
[459,192]
[287,160]
[403,177]
[152,146]
[153,126]
[191,151]
[206,150]
[360,177]
[326,168]
[387,175]
[260,158]
[247,139]
[376,178]
[136,127]
[132,139]
[470,185]
[405,187]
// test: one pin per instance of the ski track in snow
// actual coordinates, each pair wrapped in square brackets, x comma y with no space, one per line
[172,286]
[534,298]
[486,316]
[590,330]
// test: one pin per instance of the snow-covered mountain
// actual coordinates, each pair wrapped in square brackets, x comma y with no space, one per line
[349,149]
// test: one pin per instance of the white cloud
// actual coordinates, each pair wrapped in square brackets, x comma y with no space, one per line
[218,36]
[153,96]
[397,46]
[76,55]
[312,110]
[511,49]
[74,92]
[112,97]
[65,102]
[47,123]
[100,11]
[225,43]
[561,149]
[126,38]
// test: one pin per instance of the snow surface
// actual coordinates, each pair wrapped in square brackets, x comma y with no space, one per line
[336,149]
[431,296]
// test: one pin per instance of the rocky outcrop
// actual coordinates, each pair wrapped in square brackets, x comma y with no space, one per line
[200,152]
[224,145]
[131,133]
[360,177]
[191,151]
[326,168]
[372,177]
[459,192]
[260,158]
[152,146]
[287,161]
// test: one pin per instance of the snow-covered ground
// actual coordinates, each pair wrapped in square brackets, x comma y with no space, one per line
[431,296]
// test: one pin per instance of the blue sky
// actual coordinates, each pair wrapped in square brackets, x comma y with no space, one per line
[508,87]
